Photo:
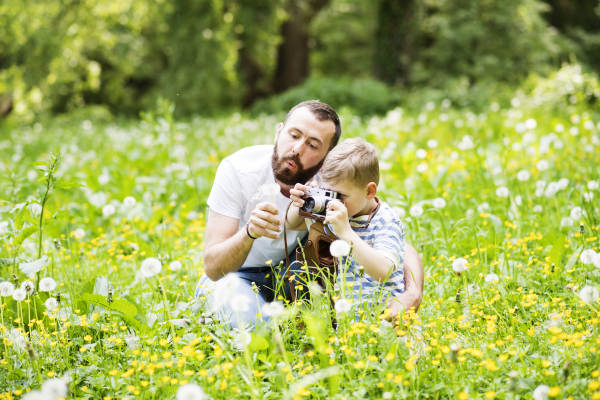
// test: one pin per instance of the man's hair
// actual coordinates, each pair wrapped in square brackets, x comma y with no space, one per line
[353,159]
[322,112]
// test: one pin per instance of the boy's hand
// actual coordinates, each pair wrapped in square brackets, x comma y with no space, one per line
[337,216]
[298,192]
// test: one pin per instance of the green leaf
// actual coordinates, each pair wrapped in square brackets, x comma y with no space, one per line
[68,185]
[258,343]
[557,251]
[25,233]
[120,307]
[36,163]
[573,259]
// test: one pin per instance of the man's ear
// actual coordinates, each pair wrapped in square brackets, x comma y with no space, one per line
[371,190]
[279,129]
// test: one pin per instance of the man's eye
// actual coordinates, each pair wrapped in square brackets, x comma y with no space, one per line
[313,146]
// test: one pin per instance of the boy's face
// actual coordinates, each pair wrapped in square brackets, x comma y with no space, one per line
[356,199]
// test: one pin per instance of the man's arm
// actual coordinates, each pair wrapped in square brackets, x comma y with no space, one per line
[413,284]
[226,247]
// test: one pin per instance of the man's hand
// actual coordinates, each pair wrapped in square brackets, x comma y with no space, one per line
[337,216]
[263,221]
[404,301]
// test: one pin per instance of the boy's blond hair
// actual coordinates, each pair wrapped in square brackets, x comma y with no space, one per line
[353,159]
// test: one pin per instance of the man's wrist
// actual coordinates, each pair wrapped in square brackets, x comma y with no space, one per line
[248,231]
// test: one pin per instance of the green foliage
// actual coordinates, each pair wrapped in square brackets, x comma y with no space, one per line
[362,96]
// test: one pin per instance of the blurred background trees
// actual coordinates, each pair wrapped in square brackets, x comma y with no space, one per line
[211,56]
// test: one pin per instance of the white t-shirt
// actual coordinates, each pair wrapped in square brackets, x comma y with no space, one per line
[235,193]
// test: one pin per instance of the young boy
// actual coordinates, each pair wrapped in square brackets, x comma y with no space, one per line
[359,218]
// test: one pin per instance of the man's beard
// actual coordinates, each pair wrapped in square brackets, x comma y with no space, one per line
[290,177]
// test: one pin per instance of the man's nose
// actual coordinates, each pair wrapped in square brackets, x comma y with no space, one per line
[298,148]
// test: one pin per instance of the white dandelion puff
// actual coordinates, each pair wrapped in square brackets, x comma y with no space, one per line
[489,278]
[6,289]
[342,306]
[55,388]
[502,191]
[400,212]
[3,227]
[241,338]
[592,185]
[339,248]
[79,233]
[150,267]
[538,208]
[35,395]
[274,309]
[28,286]
[190,391]
[459,265]
[51,303]
[47,284]
[588,256]
[542,165]
[271,189]
[589,294]
[416,211]
[129,201]
[175,265]
[439,203]
[541,392]
[19,295]
[240,303]
[108,210]
[576,213]
[566,222]
[132,341]
[523,175]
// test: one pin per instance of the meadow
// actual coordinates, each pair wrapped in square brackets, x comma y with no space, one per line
[502,205]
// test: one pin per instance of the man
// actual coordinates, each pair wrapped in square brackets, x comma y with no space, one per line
[244,227]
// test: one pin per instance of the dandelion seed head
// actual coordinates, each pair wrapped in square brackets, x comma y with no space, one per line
[47,284]
[339,248]
[150,267]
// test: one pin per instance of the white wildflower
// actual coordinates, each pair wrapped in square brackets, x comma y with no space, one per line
[55,388]
[459,265]
[19,294]
[51,303]
[523,175]
[47,284]
[538,208]
[588,196]
[588,256]
[339,248]
[274,309]
[439,203]
[421,168]
[489,278]
[589,294]
[421,153]
[175,265]
[150,267]
[563,183]
[416,211]
[342,306]
[6,289]
[103,179]
[129,201]
[483,207]
[240,303]
[592,185]
[190,391]
[566,222]
[541,392]
[502,191]
[108,210]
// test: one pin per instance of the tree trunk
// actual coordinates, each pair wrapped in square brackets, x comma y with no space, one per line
[292,55]
[394,41]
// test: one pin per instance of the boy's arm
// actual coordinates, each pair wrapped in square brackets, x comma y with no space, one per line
[294,221]
[413,284]
[376,264]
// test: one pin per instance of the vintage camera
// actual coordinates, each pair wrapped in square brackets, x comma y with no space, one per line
[316,200]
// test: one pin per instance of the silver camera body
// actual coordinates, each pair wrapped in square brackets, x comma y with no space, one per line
[316,200]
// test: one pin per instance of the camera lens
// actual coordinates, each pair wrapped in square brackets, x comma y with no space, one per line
[309,204]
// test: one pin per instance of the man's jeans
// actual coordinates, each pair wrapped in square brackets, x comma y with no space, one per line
[270,282]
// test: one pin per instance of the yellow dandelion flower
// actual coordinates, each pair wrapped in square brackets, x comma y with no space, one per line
[554,391]
[490,395]
[463,395]
[409,365]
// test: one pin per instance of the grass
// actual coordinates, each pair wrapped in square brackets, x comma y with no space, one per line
[117,334]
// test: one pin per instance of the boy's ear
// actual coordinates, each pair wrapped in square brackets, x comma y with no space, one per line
[371,190]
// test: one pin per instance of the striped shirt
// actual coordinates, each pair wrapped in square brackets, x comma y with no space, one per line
[386,235]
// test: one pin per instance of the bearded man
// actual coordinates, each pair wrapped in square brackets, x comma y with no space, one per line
[247,203]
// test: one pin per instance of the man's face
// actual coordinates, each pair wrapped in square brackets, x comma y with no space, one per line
[300,147]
